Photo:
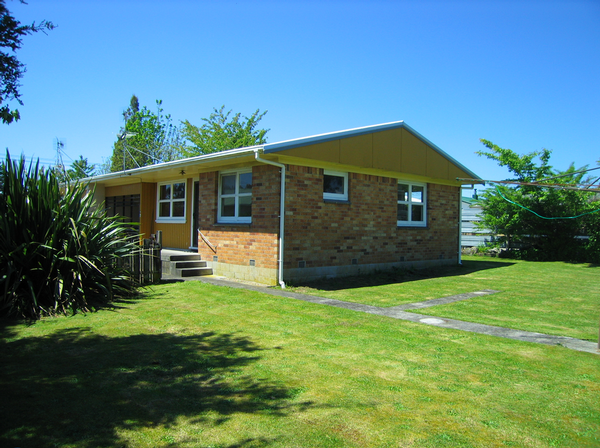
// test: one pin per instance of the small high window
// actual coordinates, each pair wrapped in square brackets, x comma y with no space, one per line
[235,197]
[412,206]
[335,185]
[171,202]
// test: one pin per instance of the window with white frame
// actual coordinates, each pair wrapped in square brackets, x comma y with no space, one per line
[412,204]
[171,202]
[235,197]
[335,185]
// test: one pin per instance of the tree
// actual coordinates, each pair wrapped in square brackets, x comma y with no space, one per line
[11,70]
[221,131]
[146,138]
[543,222]
[80,169]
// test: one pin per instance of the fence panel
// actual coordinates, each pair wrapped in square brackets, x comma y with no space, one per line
[144,263]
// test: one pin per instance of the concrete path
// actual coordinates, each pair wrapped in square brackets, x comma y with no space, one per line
[399,312]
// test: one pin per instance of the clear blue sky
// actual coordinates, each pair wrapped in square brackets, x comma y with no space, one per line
[524,74]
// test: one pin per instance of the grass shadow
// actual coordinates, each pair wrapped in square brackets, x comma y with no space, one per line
[78,388]
[401,275]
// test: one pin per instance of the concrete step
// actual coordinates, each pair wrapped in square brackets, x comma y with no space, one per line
[192,272]
[184,257]
[188,264]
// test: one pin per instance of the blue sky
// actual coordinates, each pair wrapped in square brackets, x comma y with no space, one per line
[523,74]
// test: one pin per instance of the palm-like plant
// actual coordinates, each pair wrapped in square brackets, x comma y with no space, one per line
[59,253]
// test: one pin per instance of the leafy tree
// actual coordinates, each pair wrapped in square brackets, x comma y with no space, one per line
[79,169]
[222,131]
[543,222]
[146,138]
[11,70]
[58,252]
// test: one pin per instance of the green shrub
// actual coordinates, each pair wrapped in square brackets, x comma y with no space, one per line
[59,254]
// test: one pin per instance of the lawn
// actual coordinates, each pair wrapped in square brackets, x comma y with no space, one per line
[556,298]
[195,365]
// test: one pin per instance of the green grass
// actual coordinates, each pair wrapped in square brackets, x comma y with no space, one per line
[556,298]
[195,365]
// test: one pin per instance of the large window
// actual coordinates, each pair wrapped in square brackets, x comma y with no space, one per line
[235,197]
[412,205]
[335,186]
[171,202]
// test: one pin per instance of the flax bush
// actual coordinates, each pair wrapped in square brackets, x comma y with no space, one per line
[59,254]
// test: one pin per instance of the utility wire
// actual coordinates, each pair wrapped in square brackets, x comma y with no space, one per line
[534,184]
[537,214]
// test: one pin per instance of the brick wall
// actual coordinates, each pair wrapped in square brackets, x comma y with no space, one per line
[319,234]
[239,243]
[365,230]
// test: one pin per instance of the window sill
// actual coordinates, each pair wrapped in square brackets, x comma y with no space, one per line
[242,224]
[336,201]
[171,220]
[411,226]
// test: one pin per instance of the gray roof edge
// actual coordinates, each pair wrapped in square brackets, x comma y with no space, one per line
[322,138]
[442,152]
[279,146]
[223,155]
[329,136]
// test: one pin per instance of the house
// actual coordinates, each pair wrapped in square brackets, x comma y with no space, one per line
[335,204]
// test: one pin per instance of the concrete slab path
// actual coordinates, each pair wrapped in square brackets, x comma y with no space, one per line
[399,312]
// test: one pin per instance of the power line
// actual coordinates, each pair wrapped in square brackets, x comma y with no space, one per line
[540,216]
[534,184]
[537,183]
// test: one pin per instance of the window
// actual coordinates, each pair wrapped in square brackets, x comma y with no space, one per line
[335,186]
[171,202]
[235,197]
[412,206]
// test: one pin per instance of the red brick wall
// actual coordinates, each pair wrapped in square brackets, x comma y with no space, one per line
[321,233]
[333,234]
[240,243]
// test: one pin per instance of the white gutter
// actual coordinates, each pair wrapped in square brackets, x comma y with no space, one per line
[281,211]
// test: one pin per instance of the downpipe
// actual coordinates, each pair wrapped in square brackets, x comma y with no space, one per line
[281,213]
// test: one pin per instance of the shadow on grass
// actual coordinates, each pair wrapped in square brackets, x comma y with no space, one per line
[403,275]
[81,389]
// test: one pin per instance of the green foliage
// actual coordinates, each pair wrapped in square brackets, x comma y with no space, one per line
[221,131]
[58,253]
[11,70]
[147,138]
[543,223]
[79,169]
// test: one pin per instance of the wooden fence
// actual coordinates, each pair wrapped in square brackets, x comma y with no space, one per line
[472,235]
[145,264]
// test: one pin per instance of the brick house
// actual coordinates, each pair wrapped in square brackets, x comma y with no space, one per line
[352,202]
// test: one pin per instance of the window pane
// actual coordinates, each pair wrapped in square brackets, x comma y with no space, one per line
[179,190]
[333,184]
[417,213]
[402,212]
[403,192]
[228,184]
[245,206]
[245,183]
[164,210]
[178,208]
[417,194]
[227,206]
[165,192]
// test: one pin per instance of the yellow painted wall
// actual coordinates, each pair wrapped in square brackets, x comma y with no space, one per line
[147,208]
[392,150]
[177,235]
[123,190]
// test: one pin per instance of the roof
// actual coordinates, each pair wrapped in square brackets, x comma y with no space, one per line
[246,154]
